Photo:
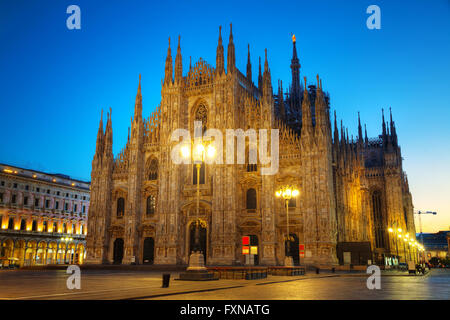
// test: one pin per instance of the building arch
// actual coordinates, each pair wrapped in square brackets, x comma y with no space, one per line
[152,169]
[378,219]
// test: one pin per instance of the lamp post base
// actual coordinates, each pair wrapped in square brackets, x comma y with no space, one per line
[288,262]
[196,262]
[196,271]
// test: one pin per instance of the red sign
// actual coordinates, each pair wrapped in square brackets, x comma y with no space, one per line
[245,240]
[301,250]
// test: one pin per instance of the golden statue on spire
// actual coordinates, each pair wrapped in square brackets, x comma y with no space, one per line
[293,38]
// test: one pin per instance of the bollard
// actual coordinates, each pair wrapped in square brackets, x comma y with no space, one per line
[317,270]
[165,280]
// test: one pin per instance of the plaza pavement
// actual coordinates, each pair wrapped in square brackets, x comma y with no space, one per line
[129,284]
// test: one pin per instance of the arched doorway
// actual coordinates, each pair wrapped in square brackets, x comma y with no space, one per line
[118,251]
[149,251]
[293,249]
[202,239]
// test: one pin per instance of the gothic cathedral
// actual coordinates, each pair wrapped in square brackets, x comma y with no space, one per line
[351,189]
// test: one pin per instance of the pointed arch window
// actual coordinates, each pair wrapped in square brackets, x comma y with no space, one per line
[201,114]
[378,219]
[153,170]
[151,204]
[120,207]
[251,199]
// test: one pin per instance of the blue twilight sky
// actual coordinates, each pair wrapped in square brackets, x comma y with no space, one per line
[55,81]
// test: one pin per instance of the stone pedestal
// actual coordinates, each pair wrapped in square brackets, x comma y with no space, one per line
[288,261]
[196,262]
[196,270]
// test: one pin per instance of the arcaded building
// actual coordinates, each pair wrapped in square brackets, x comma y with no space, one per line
[43,217]
[351,189]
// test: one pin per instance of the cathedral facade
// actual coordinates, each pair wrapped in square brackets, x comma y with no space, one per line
[143,205]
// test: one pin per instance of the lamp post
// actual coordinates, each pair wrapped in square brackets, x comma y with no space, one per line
[287,193]
[200,151]
[394,231]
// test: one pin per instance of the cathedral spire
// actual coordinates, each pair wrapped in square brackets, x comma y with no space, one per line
[249,66]
[360,137]
[393,130]
[260,76]
[178,64]
[220,68]
[321,120]
[281,108]
[306,113]
[231,59]
[336,132]
[108,135]
[384,135]
[168,69]
[295,70]
[267,81]
[366,140]
[138,103]
[100,141]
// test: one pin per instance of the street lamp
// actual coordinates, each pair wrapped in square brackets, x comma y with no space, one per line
[287,192]
[200,151]
[394,231]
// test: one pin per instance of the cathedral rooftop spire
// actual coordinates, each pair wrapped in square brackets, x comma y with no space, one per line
[249,66]
[231,58]
[220,65]
[259,76]
[168,72]
[138,103]
[178,64]
[360,137]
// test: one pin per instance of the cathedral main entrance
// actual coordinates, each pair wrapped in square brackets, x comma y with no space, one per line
[118,251]
[149,251]
[202,239]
